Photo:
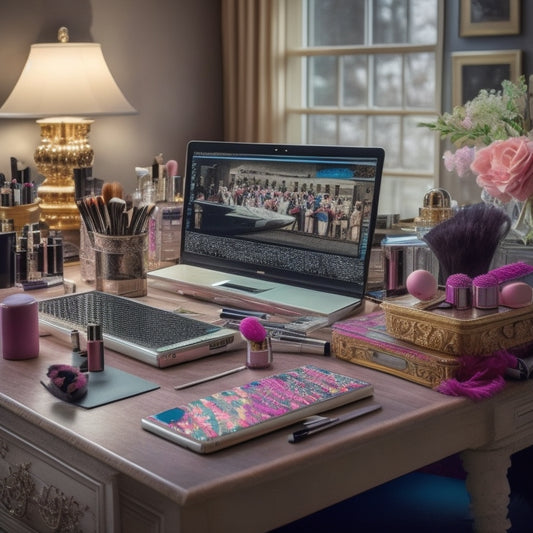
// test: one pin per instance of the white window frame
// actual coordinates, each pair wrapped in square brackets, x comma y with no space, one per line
[295,104]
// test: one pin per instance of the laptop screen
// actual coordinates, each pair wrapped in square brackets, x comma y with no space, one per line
[297,214]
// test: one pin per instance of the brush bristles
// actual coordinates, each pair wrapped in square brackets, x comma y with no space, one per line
[467,242]
[511,271]
[485,281]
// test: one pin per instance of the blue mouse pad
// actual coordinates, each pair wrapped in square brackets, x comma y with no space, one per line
[112,385]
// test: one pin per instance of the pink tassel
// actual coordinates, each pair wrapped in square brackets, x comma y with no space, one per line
[479,377]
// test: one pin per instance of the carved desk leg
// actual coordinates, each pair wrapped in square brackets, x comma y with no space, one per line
[489,488]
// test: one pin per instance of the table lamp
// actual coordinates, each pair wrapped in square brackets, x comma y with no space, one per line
[61,84]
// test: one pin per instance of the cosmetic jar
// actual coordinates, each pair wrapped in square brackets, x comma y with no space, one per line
[485,292]
[459,291]
[19,327]
[259,354]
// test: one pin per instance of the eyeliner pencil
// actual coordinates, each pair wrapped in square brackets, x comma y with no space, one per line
[210,378]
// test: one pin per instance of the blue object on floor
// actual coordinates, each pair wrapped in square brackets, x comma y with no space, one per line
[415,503]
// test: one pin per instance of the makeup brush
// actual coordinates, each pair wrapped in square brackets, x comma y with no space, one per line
[116,206]
[172,168]
[467,242]
[518,271]
[111,190]
[259,350]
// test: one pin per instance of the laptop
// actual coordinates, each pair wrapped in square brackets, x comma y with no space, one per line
[283,229]
[154,336]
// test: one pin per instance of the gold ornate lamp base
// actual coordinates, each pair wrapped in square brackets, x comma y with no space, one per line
[64,147]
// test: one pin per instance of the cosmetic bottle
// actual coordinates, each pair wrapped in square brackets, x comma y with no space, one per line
[164,233]
[95,348]
[79,356]
[34,242]
[259,354]
[169,222]
[19,327]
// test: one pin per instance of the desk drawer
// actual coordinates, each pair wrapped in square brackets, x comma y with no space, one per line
[46,486]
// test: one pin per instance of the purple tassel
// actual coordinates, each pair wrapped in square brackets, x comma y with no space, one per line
[479,377]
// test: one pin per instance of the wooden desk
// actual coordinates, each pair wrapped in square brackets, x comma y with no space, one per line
[107,474]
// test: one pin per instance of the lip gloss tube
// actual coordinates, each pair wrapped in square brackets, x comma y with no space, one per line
[95,348]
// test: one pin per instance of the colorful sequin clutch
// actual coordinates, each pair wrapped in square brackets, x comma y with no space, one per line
[229,417]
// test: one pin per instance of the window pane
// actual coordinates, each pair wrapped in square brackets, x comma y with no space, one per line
[353,130]
[402,195]
[355,81]
[386,133]
[388,81]
[420,80]
[336,22]
[322,129]
[322,84]
[423,22]
[390,21]
[418,145]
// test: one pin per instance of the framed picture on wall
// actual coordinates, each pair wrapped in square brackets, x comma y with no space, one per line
[473,71]
[489,17]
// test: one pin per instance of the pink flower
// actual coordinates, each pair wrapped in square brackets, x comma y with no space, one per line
[459,161]
[505,168]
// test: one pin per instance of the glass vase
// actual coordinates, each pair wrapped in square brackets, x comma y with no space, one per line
[522,226]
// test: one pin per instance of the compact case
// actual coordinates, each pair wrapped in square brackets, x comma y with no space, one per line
[364,340]
[458,332]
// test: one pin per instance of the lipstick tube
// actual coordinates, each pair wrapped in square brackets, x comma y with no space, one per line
[95,348]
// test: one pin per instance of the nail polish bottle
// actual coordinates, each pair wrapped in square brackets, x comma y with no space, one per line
[95,348]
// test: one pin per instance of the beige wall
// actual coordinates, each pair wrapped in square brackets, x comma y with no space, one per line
[165,56]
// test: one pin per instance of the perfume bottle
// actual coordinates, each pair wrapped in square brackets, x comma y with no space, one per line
[95,348]
[165,226]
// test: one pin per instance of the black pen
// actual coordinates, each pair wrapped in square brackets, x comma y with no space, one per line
[229,312]
[313,427]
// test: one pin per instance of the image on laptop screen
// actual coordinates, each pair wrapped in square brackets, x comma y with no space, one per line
[299,214]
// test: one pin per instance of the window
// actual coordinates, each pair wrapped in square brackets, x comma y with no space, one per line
[366,72]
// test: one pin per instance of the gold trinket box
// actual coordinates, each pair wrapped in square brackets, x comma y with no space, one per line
[363,341]
[458,332]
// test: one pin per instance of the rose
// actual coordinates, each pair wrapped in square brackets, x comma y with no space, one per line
[505,168]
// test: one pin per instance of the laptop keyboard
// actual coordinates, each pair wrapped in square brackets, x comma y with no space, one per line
[123,318]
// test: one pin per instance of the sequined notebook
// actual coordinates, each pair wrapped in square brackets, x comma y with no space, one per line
[232,416]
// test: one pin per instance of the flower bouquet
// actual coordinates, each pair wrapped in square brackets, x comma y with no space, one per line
[493,143]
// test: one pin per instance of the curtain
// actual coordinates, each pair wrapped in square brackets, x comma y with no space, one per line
[253,72]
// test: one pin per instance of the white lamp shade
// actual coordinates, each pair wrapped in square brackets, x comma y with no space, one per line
[65,79]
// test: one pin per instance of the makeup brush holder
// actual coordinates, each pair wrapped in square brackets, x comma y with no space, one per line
[121,264]
[87,254]
[259,355]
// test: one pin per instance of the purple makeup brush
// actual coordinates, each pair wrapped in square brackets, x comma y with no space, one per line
[466,242]
[518,271]
[485,291]
[259,349]
[459,291]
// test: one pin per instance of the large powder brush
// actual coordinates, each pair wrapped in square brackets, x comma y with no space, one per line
[466,243]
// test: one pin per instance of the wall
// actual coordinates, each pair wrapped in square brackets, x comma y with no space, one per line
[164,55]
[466,191]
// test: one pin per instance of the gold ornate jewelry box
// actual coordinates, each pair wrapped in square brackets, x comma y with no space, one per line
[364,341]
[458,332]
